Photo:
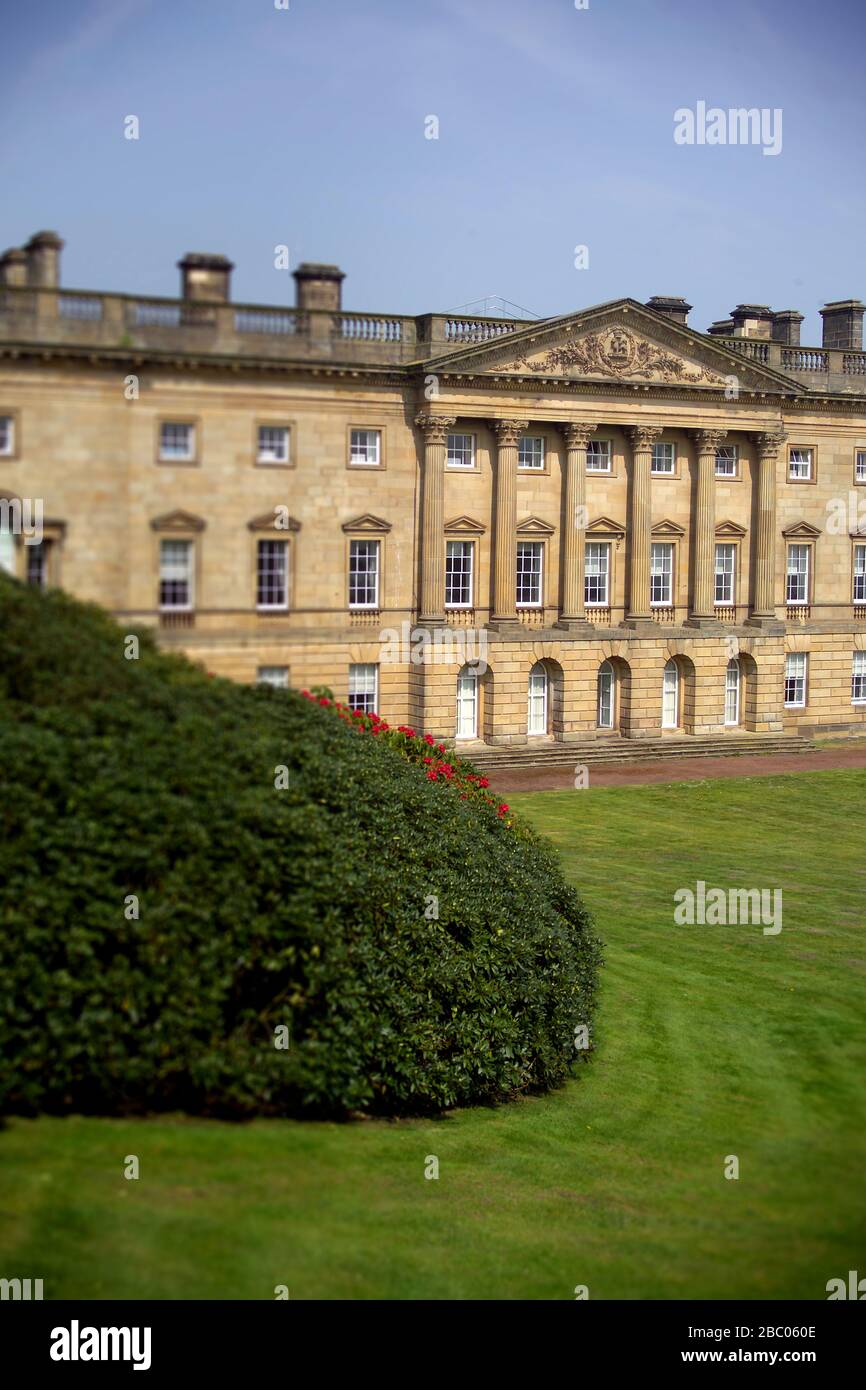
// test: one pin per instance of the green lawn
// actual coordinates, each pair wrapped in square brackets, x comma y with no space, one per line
[711,1041]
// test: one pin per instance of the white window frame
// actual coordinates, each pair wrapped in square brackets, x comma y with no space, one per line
[536,575]
[365,447]
[467,699]
[173,454]
[538,701]
[466,576]
[270,546]
[728,454]
[357,574]
[664,450]
[276,676]
[460,455]
[364,687]
[860,465]
[859,576]
[8,550]
[599,449]
[662,573]
[601,576]
[188,577]
[7,436]
[796,675]
[537,455]
[605,694]
[266,454]
[806,463]
[728,576]
[858,678]
[802,574]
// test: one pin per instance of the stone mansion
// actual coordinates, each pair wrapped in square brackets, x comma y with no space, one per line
[604,524]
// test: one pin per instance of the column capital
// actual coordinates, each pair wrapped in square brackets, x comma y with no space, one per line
[643,436]
[708,440]
[507,431]
[770,443]
[434,427]
[576,433]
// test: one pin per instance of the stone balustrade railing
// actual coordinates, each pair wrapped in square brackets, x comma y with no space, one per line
[823,366]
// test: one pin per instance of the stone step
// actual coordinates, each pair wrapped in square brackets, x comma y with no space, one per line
[570,754]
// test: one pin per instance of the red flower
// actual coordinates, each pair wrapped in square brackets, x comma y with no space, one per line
[323,700]
[484,782]
[431,774]
[441,747]
[503,809]
[428,738]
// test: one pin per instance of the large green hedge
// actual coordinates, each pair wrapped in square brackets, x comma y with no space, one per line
[258,907]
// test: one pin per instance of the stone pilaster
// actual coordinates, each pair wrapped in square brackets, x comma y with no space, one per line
[703,604]
[764,603]
[507,434]
[642,438]
[572,608]
[435,430]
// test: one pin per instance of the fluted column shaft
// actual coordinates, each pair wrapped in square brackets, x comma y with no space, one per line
[704,525]
[576,437]
[435,430]
[640,520]
[504,565]
[764,605]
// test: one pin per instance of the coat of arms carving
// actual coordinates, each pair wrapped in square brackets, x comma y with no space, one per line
[617,352]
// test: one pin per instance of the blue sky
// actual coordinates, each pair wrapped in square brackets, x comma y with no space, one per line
[305,126]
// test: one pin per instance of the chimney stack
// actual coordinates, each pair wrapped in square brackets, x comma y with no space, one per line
[318,286]
[205,277]
[752,320]
[13,267]
[672,306]
[786,327]
[43,260]
[843,324]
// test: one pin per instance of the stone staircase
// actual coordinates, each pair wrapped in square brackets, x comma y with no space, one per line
[611,752]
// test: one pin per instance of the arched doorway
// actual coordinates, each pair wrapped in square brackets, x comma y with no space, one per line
[467,703]
[733,700]
[605,705]
[671,695]
[538,700]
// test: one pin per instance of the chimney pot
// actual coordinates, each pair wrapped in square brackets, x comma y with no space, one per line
[752,320]
[786,327]
[13,266]
[318,286]
[205,277]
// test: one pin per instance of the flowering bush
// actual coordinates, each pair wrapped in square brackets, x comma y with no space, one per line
[419,748]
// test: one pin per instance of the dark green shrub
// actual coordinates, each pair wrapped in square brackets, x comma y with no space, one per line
[258,907]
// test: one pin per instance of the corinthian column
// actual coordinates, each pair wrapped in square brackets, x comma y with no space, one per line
[642,439]
[435,430]
[703,604]
[505,559]
[764,602]
[572,610]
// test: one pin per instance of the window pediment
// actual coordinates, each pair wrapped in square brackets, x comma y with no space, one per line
[730,528]
[667,528]
[534,526]
[604,526]
[367,523]
[178,521]
[466,525]
[270,521]
[803,529]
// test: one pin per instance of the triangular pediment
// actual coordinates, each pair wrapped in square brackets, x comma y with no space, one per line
[465,524]
[534,526]
[367,522]
[667,528]
[178,521]
[802,528]
[273,521]
[730,528]
[622,341]
[604,526]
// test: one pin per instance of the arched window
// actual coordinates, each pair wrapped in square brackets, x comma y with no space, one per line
[732,692]
[606,696]
[538,692]
[467,703]
[671,696]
